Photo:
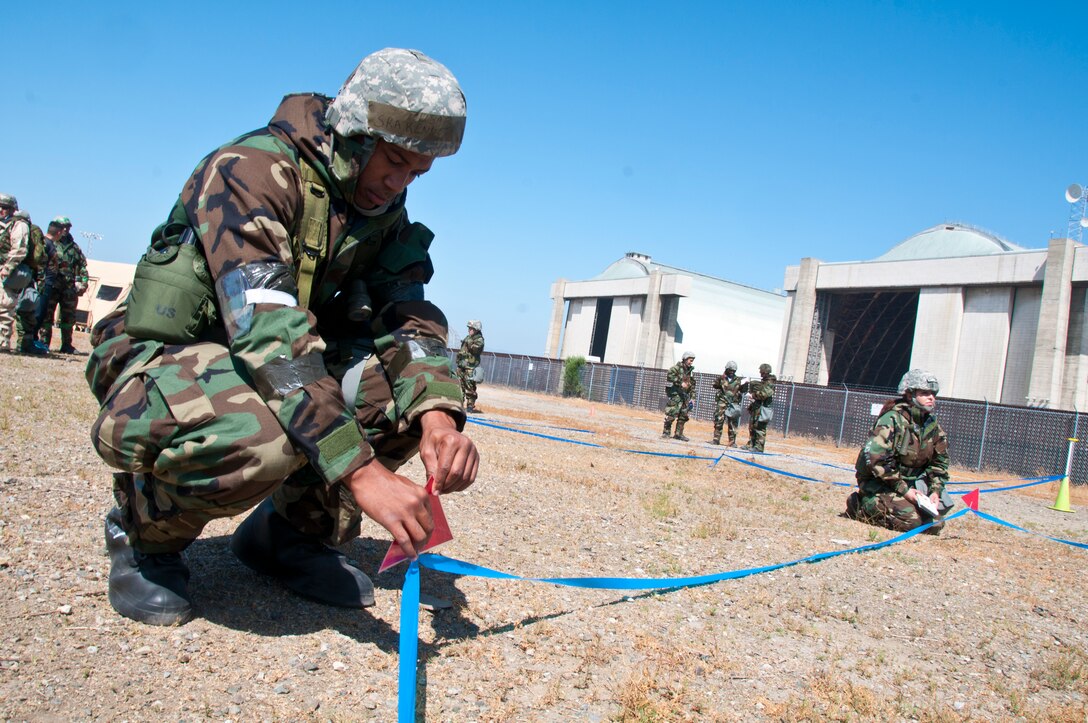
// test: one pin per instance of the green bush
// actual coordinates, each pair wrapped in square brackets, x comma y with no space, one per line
[572,377]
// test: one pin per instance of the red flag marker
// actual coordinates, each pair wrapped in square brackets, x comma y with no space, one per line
[971,499]
[440,534]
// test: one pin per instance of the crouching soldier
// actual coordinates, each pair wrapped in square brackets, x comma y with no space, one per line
[234,375]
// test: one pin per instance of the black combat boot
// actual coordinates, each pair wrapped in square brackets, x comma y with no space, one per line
[268,544]
[66,342]
[666,432]
[30,346]
[680,432]
[853,503]
[147,588]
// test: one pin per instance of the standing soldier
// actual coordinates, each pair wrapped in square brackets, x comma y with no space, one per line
[468,361]
[680,387]
[235,376]
[26,304]
[761,408]
[727,403]
[66,281]
[14,237]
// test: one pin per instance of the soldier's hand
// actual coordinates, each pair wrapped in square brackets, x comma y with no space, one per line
[395,503]
[448,456]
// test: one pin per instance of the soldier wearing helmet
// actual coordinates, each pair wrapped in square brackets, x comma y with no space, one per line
[64,280]
[255,380]
[468,362]
[730,388]
[680,389]
[904,459]
[14,240]
[760,408]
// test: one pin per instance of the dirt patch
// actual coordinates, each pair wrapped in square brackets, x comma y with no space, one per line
[981,623]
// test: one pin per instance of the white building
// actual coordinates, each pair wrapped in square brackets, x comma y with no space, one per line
[640,312]
[992,320]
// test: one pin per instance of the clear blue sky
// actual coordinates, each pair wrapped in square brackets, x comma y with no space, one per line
[723,137]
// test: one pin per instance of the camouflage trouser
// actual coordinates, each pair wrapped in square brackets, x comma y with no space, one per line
[64,295]
[468,386]
[722,420]
[198,443]
[757,432]
[7,318]
[887,509]
[677,408]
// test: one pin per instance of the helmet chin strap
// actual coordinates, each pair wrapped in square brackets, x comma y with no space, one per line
[349,158]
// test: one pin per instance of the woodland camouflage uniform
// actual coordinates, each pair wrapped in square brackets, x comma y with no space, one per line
[727,405]
[680,389]
[63,280]
[906,444]
[762,392]
[208,429]
[468,360]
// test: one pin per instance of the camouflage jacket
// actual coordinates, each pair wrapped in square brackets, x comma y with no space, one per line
[245,203]
[472,346]
[14,236]
[729,390]
[762,391]
[904,444]
[66,263]
[675,378]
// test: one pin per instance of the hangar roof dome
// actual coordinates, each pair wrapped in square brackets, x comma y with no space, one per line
[947,240]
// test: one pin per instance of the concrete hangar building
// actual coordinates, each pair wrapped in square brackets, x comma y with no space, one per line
[639,312]
[992,320]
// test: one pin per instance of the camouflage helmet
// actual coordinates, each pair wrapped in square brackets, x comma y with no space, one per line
[687,355]
[475,324]
[765,369]
[405,98]
[919,379]
[730,365]
[8,201]
[61,221]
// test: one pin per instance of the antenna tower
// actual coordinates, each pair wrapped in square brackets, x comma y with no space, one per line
[1077,197]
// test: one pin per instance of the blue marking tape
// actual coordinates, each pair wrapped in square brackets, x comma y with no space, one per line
[1000,521]
[409,644]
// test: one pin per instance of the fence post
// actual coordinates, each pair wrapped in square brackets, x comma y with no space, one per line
[589,392]
[638,387]
[528,368]
[789,410]
[982,439]
[842,421]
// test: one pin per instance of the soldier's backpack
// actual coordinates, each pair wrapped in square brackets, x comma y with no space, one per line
[35,248]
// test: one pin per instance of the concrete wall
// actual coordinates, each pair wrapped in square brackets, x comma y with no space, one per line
[984,341]
[1018,362]
[578,330]
[937,332]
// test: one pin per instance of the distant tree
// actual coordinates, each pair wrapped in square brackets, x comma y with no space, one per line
[572,377]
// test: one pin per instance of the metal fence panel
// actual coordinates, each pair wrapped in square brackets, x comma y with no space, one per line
[1021,440]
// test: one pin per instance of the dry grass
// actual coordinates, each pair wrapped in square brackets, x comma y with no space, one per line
[982,623]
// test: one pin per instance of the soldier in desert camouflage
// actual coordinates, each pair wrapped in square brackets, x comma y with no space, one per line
[906,447]
[284,399]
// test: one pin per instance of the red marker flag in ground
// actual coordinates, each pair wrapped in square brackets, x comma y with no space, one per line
[971,499]
[440,534]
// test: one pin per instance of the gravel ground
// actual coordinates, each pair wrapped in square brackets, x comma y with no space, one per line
[981,623]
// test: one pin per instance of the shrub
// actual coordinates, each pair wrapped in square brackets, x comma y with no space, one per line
[572,377]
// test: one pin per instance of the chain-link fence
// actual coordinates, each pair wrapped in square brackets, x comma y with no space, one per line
[983,436]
